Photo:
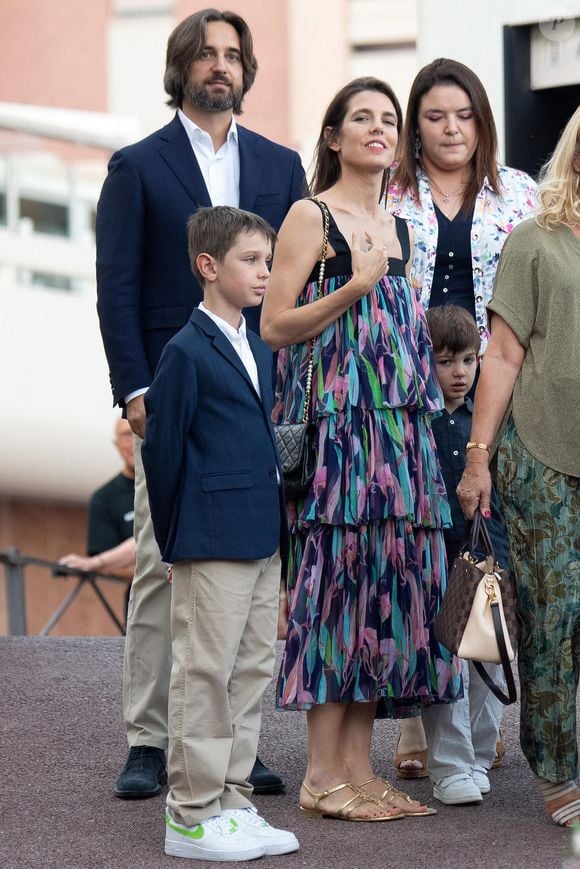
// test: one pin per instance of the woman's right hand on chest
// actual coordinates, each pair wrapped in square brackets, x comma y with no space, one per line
[370,262]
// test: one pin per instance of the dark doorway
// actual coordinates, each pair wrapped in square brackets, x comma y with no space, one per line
[534,119]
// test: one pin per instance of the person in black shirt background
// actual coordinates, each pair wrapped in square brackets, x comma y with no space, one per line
[110,542]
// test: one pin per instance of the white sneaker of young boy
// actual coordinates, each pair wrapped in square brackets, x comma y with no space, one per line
[273,840]
[218,838]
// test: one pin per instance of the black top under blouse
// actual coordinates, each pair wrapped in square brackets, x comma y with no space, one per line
[453,274]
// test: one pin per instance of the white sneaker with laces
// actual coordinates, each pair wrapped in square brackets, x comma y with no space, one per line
[218,838]
[274,841]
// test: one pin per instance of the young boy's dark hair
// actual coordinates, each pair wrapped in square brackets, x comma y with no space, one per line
[454,332]
[453,328]
[215,230]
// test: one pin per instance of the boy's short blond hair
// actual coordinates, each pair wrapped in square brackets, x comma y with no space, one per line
[215,230]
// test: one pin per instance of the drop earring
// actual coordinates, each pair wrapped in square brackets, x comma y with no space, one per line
[417,145]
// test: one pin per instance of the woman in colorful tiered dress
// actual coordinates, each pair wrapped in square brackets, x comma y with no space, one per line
[367,565]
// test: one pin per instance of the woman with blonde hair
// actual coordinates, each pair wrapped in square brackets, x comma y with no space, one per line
[533,364]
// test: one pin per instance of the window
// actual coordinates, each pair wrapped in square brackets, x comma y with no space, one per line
[46,217]
[51,282]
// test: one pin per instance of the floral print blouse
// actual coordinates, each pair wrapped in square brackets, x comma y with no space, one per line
[494,217]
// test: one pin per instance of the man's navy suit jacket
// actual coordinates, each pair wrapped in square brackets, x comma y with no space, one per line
[146,290]
[209,451]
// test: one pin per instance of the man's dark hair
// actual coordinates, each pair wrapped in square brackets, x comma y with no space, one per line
[453,328]
[215,231]
[186,43]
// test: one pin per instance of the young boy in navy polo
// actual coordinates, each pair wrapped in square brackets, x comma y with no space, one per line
[461,736]
[213,479]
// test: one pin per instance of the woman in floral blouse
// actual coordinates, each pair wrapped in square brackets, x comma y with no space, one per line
[461,203]
[462,206]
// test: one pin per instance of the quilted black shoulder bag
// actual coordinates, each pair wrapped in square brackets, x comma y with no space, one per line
[296,441]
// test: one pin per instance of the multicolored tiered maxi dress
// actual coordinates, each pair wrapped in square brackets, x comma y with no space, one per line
[367,566]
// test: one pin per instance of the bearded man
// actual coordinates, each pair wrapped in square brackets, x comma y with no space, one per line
[146,292]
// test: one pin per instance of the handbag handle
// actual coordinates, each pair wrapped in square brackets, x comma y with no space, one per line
[479,536]
[511,696]
[476,536]
[325,230]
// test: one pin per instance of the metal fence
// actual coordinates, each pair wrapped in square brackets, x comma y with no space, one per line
[15,564]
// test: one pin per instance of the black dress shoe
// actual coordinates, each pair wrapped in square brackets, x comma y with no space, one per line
[265,781]
[143,775]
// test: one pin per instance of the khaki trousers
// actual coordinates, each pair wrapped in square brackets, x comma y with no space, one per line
[224,617]
[147,665]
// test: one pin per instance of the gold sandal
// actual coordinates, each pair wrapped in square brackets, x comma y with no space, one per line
[343,812]
[390,793]
[402,757]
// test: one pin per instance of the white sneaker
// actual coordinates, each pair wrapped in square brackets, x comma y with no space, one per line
[479,776]
[456,790]
[219,838]
[273,841]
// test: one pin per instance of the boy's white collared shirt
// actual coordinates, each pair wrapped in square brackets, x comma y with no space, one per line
[239,341]
[221,169]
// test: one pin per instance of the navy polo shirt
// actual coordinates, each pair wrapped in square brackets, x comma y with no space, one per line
[452,432]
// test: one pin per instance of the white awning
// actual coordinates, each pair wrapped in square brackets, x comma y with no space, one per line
[99,129]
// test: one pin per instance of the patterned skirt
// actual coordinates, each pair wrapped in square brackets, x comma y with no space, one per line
[365,585]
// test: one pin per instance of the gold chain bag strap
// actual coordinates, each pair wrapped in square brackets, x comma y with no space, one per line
[296,441]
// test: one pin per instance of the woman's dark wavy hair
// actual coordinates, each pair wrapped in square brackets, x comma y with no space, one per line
[450,72]
[186,43]
[327,168]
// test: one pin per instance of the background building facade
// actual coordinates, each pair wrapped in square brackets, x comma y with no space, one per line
[77,80]
[80,78]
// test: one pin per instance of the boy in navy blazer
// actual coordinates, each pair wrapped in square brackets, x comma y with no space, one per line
[214,485]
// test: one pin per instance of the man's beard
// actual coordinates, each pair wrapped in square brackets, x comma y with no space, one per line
[201,98]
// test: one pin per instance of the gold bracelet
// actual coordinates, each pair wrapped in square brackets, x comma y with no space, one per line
[474,445]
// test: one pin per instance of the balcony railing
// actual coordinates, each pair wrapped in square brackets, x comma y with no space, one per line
[15,564]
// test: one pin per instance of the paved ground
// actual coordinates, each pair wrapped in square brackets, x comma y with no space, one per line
[62,744]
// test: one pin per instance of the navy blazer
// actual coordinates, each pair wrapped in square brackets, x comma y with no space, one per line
[145,287]
[209,451]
